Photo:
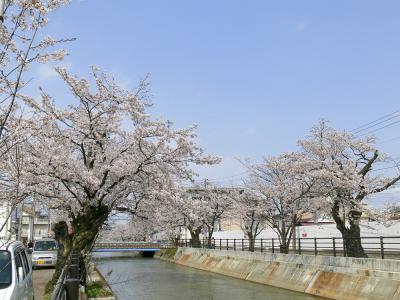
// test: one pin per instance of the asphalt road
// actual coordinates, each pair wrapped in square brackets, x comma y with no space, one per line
[40,278]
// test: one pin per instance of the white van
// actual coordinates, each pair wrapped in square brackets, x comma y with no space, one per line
[15,272]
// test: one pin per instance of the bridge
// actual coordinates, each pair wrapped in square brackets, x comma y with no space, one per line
[131,246]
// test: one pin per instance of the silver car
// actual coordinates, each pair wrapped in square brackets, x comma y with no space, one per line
[15,272]
[44,253]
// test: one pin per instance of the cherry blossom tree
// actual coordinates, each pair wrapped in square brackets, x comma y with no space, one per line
[284,185]
[168,220]
[101,153]
[251,209]
[23,44]
[202,206]
[133,230]
[187,210]
[215,203]
[344,165]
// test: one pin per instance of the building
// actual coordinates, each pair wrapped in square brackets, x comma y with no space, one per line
[6,221]
[35,224]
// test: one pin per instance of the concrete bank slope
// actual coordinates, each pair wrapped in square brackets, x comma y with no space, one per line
[324,276]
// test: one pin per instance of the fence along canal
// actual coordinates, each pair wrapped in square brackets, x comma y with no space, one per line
[375,247]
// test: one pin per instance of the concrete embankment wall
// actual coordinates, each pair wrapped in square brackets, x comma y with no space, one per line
[325,276]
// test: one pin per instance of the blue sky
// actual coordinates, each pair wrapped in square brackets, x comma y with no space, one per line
[254,75]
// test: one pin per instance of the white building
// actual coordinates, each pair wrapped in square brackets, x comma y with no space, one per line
[35,224]
[6,220]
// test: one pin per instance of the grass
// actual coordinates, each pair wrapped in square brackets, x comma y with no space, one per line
[98,289]
[170,253]
[47,296]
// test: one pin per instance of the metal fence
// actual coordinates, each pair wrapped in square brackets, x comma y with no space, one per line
[377,247]
[67,286]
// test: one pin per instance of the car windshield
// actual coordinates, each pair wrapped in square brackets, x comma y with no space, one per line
[45,246]
[5,269]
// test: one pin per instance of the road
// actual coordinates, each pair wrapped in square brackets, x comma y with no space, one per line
[40,278]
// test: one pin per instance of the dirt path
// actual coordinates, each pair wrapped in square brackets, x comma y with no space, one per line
[40,278]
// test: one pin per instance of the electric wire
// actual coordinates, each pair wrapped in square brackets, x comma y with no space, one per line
[377,129]
[376,124]
[373,123]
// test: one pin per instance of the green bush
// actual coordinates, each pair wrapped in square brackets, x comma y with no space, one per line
[98,289]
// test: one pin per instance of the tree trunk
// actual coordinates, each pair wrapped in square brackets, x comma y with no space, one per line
[285,243]
[284,248]
[352,242]
[61,236]
[252,242]
[210,239]
[86,227]
[195,235]
[351,236]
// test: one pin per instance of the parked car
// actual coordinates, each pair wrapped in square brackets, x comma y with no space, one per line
[44,253]
[15,272]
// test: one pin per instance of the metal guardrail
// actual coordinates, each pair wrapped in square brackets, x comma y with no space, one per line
[377,246]
[67,286]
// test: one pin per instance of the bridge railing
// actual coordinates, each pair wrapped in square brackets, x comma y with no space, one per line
[134,245]
[374,246]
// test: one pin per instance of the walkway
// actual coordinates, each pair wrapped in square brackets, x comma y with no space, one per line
[40,278]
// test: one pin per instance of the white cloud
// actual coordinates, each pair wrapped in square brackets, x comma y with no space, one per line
[45,72]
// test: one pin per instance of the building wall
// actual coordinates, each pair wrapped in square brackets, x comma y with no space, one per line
[40,227]
[230,225]
[4,212]
[319,231]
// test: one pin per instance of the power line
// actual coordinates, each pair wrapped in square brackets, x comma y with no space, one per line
[376,124]
[387,168]
[380,128]
[223,179]
[361,128]
[390,140]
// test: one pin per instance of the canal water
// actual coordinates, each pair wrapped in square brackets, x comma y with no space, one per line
[152,279]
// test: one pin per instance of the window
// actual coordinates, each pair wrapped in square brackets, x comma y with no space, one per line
[45,246]
[5,269]
[25,261]
[18,264]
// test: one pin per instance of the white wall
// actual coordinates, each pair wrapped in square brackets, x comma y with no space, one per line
[321,230]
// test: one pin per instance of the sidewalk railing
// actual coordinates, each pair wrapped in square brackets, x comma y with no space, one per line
[67,286]
[377,246]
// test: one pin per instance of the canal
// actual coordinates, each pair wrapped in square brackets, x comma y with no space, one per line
[152,279]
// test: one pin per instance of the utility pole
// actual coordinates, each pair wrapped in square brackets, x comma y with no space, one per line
[21,213]
[2,5]
[48,223]
[294,238]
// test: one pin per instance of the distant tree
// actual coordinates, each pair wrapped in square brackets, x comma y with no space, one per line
[252,211]
[201,207]
[218,205]
[284,185]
